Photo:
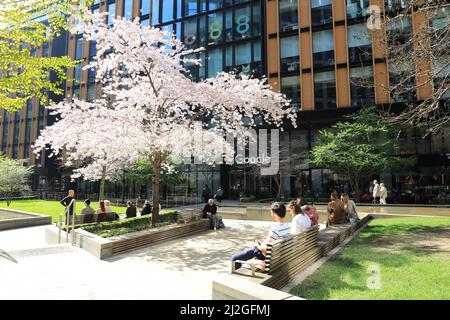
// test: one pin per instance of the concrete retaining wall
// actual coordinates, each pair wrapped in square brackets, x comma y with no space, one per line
[28,220]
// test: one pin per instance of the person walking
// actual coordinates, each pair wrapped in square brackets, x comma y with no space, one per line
[206,193]
[376,192]
[67,201]
[383,193]
[219,195]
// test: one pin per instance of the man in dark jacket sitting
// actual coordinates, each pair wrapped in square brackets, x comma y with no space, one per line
[131,210]
[146,209]
[209,211]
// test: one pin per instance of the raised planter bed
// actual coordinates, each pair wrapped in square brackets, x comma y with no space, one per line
[12,219]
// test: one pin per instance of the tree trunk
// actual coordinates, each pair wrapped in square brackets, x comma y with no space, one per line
[101,193]
[123,189]
[156,176]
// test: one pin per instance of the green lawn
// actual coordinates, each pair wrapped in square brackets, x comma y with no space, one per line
[49,208]
[411,254]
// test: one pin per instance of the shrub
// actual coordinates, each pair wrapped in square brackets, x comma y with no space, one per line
[248,199]
[441,201]
[116,228]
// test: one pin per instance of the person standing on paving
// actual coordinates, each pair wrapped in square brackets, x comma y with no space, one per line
[67,201]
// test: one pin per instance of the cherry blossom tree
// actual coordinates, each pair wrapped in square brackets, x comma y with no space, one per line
[91,138]
[166,114]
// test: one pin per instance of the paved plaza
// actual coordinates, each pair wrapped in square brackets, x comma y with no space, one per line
[177,269]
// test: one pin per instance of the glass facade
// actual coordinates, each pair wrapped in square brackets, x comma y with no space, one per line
[229,32]
[324,90]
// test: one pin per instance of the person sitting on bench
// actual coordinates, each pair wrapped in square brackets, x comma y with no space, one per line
[336,210]
[209,211]
[279,231]
[300,221]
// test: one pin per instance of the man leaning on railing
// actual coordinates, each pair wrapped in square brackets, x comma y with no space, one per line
[67,201]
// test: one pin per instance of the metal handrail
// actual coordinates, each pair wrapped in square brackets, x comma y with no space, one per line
[66,213]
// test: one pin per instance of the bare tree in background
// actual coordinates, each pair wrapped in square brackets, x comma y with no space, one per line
[417,45]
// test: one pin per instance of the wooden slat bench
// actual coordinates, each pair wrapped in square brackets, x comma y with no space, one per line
[188,215]
[287,257]
[131,241]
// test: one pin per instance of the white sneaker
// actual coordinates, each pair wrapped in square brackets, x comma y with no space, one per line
[215,228]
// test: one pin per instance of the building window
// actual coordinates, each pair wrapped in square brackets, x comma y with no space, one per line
[357,8]
[5,130]
[324,90]
[359,44]
[361,84]
[78,56]
[128,9]
[190,32]
[394,5]
[290,86]
[155,12]
[288,15]
[167,10]
[323,48]
[398,34]
[242,22]
[45,49]
[289,54]
[214,62]
[190,7]
[179,9]
[243,56]
[229,25]
[256,20]
[111,13]
[215,28]
[402,80]
[202,31]
[91,92]
[321,12]
[145,7]
[145,22]
[215,4]
[441,72]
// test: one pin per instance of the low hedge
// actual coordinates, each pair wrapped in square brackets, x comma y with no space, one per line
[440,201]
[119,227]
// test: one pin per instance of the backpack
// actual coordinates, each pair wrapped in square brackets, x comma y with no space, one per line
[220,224]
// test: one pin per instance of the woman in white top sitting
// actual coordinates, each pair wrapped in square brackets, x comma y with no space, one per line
[300,222]
[350,206]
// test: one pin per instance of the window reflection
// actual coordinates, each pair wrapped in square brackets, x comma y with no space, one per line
[288,15]
[324,90]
